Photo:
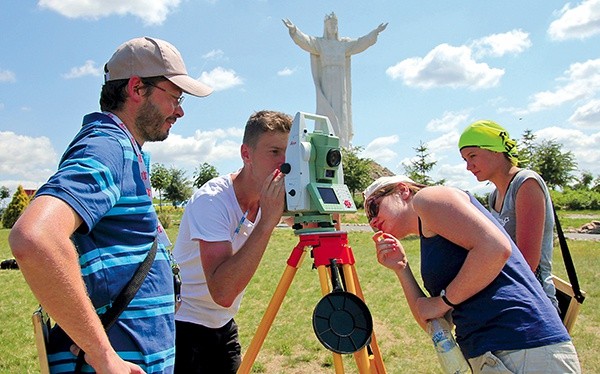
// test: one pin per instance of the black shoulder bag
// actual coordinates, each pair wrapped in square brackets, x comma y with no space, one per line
[569,295]
[123,299]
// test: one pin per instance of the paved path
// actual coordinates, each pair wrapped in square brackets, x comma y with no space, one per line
[366,228]
[569,235]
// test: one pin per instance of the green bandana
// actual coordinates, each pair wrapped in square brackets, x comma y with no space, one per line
[491,136]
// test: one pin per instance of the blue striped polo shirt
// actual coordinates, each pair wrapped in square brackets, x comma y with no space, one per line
[99,177]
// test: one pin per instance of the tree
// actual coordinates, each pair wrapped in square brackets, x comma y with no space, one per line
[19,202]
[4,193]
[553,164]
[204,173]
[584,182]
[159,179]
[356,170]
[419,168]
[179,188]
[526,148]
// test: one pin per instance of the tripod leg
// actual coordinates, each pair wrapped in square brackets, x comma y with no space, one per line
[361,357]
[269,316]
[338,363]
[378,366]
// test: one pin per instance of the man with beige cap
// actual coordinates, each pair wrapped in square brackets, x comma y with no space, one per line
[92,224]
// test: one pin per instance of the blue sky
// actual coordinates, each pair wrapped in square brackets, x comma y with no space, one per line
[437,67]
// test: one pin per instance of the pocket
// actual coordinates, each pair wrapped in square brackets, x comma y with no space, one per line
[488,363]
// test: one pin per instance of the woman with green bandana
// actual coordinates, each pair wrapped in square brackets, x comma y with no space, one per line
[521,201]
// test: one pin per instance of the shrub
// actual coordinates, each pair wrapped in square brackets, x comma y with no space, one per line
[576,199]
[165,219]
[14,209]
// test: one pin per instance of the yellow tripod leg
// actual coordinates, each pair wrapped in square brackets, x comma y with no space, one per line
[268,317]
[378,367]
[338,363]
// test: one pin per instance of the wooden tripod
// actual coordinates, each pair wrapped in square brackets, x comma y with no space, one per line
[325,246]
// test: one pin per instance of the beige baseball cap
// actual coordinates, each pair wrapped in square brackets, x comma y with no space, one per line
[151,57]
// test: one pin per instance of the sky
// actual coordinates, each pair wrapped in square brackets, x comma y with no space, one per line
[438,66]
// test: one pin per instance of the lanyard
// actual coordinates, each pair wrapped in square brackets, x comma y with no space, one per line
[162,234]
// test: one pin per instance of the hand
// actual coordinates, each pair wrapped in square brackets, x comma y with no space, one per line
[390,252]
[288,23]
[431,307]
[113,364]
[381,27]
[272,198]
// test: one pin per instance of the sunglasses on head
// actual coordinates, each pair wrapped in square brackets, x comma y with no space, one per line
[373,202]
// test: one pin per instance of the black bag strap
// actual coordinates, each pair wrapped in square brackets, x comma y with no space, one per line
[127,294]
[572,274]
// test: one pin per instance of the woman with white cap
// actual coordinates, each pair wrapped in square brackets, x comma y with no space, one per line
[472,269]
[520,202]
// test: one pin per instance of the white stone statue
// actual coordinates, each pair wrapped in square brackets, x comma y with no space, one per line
[330,64]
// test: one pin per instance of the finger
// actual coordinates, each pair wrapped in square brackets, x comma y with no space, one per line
[74,349]
[377,236]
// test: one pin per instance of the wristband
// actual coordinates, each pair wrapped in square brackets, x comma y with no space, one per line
[445,299]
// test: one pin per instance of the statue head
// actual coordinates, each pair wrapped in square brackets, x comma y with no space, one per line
[331,27]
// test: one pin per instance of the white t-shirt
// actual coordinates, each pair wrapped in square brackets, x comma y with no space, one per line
[212,214]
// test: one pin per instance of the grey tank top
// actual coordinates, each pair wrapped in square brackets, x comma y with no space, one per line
[507,218]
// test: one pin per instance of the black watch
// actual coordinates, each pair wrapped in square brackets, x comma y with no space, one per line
[445,299]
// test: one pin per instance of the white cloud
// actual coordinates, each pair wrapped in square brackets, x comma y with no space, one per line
[587,115]
[286,71]
[579,22]
[26,159]
[151,12]
[497,45]
[221,79]
[447,142]
[219,148]
[449,121]
[379,149]
[7,76]
[581,80]
[446,66]
[215,54]
[89,68]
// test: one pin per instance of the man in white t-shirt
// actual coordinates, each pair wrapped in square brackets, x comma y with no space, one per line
[223,234]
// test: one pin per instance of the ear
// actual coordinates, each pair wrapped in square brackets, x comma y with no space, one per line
[245,153]
[134,89]
[403,190]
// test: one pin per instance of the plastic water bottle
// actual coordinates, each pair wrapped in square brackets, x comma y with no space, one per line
[448,353]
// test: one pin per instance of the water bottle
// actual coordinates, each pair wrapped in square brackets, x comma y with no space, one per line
[448,353]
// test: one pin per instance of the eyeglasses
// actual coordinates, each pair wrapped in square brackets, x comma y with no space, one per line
[373,202]
[178,98]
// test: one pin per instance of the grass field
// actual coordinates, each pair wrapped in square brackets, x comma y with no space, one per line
[291,345]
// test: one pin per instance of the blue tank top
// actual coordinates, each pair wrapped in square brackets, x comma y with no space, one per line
[511,313]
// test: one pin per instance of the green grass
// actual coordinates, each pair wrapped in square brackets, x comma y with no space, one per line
[291,345]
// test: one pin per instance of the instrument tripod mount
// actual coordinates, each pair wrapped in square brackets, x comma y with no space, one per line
[341,320]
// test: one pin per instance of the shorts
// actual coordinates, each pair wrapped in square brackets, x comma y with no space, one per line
[557,358]
[200,349]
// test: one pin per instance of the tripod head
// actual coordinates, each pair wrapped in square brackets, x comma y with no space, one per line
[314,182]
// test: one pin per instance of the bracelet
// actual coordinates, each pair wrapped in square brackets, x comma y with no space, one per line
[445,299]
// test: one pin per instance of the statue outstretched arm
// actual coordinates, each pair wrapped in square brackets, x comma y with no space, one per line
[308,43]
[364,42]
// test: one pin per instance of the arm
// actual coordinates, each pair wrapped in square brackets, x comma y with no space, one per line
[227,274]
[391,254]
[364,42]
[40,241]
[308,43]
[448,212]
[530,213]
